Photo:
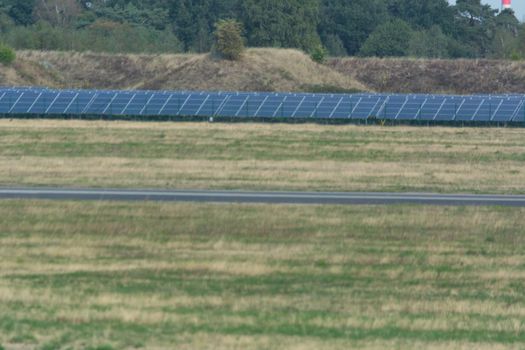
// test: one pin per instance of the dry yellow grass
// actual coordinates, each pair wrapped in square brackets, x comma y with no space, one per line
[259,69]
[259,156]
[262,69]
[457,76]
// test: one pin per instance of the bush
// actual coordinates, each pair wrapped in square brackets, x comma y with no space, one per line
[229,43]
[318,54]
[388,39]
[516,56]
[7,55]
[100,36]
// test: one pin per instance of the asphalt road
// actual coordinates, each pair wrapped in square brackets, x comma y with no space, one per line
[350,198]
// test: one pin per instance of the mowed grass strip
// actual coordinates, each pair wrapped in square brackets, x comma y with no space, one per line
[153,275]
[261,156]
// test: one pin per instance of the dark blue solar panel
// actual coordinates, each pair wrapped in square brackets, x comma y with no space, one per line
[272,107]
[25,101]
[101,104]
[9,98]
[153,107]
[343,109]
[119,103]
[480,108]
[365,107]
[392,107]
[429,108]
[80,102]
[42,102]
[61,102]
[519,115]
[327,106]
[507,110]
[174,104]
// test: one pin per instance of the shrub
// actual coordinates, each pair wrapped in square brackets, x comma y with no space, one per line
[7,55]
[229,43]
[318,54]
[516,56]
[388,39]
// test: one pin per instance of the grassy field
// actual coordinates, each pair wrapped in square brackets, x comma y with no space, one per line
[77,275]
[259,156]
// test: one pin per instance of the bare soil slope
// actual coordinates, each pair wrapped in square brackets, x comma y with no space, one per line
[435,76]
[259,70]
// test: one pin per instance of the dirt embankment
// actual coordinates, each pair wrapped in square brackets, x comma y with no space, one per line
[434,76]
[258,70]
[262,70]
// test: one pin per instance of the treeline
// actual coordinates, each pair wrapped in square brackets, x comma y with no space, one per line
[419,28]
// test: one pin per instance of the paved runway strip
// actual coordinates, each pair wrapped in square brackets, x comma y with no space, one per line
[349,198]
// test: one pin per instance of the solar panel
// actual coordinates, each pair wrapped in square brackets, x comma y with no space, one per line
[360,106]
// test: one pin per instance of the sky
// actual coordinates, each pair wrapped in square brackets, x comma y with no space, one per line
[517,5]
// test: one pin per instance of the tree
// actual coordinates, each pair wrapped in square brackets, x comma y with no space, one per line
[469,28]
[7,55]
[505,38]
[475,25]
[229,43]
[423,14]
[6,23]
[334,45]
[318,54]
[157,18]
[22,12]
[431,43]
[389,39]
[349,23]
[193,21]
[56,12]
[281,23]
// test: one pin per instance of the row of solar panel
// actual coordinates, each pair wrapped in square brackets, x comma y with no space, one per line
[285,105]
[244,93]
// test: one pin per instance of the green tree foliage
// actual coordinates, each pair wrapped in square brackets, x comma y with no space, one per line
[506,41]
[56,12]
[21,12]
[334,45]
[389,39]
[6,23]
[156,18]
[318,54]
[229,43]
[430,43]
[423,14]
[193,21]
[7,55]
[281,23]
[349,23]
[101,36]
[344,27]
[518,50]
[475,26]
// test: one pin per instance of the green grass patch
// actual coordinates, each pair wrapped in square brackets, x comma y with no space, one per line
[86,275]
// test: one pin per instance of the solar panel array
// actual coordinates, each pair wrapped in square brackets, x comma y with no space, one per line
[479,108]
